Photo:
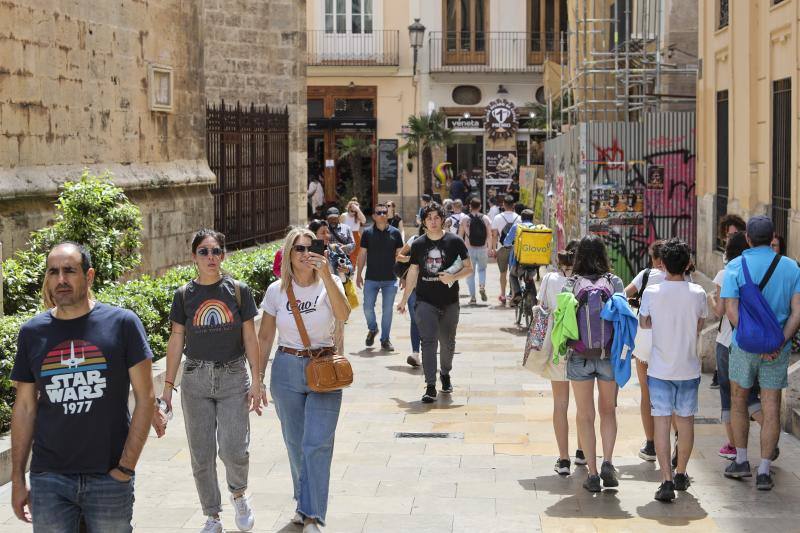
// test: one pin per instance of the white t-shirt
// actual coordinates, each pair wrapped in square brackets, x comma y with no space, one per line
[644,337]
[352,222]
[316,193]
[457,220]
[725,333]
[552,284]
[500,221]
[315,310]
[674,308]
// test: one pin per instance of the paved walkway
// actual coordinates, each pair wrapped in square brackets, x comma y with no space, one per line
[494,474]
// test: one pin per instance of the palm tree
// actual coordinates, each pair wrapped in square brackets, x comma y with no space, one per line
[427,132]
[353,150]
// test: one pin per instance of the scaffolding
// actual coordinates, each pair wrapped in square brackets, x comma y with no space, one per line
[616,68]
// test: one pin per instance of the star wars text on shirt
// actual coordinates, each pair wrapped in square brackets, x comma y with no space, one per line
[73,368]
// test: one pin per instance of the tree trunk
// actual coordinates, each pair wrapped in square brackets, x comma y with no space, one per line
[427,170]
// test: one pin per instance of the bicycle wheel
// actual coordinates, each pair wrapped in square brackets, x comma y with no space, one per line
[520,311]
[528,305]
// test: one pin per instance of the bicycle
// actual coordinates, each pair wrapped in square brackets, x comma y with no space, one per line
[527,295]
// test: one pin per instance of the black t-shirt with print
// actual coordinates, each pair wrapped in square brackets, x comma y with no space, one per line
[80,368]
[432,257]
[213,319]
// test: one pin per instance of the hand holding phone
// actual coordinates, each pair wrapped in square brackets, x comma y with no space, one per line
[317,246]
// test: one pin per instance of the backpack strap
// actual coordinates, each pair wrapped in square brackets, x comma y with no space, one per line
[770,270]
[237,293]
[645,279]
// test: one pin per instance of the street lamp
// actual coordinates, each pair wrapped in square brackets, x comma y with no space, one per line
[416,34]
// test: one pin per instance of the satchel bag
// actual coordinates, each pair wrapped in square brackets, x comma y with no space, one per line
[324,373]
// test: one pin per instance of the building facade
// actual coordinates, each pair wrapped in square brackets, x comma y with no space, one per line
[747,118]
[124,87]
[487,55]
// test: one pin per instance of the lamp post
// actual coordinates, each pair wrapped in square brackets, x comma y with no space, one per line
[416,34]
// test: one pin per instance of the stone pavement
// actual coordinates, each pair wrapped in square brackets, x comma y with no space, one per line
[493,474]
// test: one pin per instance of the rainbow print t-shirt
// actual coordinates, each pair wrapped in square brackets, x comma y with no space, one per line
[80,368]
[213,319]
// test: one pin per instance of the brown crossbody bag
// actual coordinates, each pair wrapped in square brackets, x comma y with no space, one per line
[327,371]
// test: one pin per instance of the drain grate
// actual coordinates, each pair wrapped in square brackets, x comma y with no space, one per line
[706,420]
[429,435]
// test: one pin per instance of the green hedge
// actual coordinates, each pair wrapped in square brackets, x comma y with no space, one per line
[151,299]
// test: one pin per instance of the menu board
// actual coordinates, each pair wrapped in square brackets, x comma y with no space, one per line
[387,166]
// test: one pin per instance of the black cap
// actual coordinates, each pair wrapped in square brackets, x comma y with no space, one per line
[332,212]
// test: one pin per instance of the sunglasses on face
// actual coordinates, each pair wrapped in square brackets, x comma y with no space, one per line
[216,252]
[381,213]
[301,248]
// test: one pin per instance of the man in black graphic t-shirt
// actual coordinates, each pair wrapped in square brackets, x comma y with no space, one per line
[438,261]
[74,366]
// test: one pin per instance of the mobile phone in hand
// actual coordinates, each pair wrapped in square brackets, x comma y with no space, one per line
[318,246]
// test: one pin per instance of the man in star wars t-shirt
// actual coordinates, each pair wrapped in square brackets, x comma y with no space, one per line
[438,261]
[74,366]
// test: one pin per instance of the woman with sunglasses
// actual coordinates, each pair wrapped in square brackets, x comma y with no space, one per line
[212,323]
[354,219]
[308,419]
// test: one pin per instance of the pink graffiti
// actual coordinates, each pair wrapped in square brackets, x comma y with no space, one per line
[613,156]
[677,198]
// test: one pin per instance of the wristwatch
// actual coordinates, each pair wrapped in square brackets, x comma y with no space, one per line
[125,470]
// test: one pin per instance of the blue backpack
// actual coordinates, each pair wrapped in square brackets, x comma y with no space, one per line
[758,331]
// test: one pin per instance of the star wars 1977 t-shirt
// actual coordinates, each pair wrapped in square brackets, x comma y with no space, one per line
[80,368]
[433,257]
[213,319]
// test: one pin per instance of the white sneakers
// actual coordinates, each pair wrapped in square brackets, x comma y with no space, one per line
[312,527]
[298,519]
[213,525]
[244,513]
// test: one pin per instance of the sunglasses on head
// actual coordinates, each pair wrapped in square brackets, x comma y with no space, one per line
[206,251]
[301,248]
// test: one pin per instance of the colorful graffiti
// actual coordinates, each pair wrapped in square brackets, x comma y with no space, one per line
[661,147]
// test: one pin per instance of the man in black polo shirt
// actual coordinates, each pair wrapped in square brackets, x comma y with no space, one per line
[379,246]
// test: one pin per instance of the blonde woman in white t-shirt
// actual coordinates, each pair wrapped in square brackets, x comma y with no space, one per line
[308,419]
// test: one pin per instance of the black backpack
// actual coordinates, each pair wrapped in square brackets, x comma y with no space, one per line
[507,228]
[477,230]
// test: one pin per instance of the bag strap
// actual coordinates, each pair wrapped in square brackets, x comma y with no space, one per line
[645,279]
[182,293]
[770,270]
[301,328]
[237,293]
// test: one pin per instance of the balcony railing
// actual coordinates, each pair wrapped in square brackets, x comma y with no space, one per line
[379,48]
[491,51]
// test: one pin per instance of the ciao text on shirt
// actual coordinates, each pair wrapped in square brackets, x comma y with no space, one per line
[303,307]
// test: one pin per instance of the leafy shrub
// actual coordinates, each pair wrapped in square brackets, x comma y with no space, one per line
[9,328]
[92,211]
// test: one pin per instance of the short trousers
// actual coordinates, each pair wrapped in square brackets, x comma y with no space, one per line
[588,368]
[503,253]
[677,396]
[745,367]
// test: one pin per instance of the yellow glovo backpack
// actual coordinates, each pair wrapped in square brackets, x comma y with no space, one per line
[533,244]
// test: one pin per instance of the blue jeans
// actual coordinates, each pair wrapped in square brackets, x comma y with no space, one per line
[753,403]
[412,300]
[308,422]
[669,396]
[58,501]
[389,290]
[478,257]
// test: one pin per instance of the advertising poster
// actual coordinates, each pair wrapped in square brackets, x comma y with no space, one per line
[501,165]
[655,177]
[610,206]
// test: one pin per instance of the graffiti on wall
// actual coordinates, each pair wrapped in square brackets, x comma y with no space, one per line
[653,160]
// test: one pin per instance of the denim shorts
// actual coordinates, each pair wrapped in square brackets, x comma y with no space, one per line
[587,368]
[677,396]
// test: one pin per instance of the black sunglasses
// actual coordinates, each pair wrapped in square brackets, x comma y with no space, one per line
[300,248]
[381,213]
[213,251]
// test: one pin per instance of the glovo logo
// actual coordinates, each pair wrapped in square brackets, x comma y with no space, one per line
[529,248]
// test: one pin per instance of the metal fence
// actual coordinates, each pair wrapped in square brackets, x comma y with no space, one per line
[248,150]
[377,48]
[633,183]
[491,51]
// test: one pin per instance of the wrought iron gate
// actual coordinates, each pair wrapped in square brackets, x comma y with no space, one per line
[781,155]
[248,150]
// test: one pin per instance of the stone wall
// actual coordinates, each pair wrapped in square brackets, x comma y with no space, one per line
[74,93]
[255,52]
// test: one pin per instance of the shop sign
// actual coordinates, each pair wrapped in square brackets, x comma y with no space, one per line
[461,123]
[502,121]
[501,165]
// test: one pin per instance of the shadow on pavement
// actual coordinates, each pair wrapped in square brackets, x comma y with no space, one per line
[407,369]
[517,332]
[682,512]
[443,401]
